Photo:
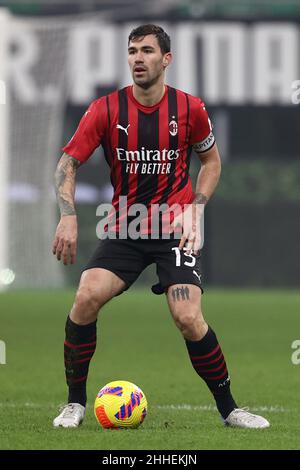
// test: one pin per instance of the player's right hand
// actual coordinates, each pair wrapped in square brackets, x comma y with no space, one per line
[190,223]
[65,240]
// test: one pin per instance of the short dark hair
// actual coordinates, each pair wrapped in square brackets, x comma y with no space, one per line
[163,38]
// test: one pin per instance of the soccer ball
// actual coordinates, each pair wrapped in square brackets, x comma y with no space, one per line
[120,404]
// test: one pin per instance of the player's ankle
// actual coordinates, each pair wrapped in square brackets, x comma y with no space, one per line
[77,395]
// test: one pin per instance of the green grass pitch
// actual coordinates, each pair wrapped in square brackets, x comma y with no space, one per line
[137,341]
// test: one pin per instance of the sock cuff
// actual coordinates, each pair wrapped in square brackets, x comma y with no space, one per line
[80,333]
[204,345]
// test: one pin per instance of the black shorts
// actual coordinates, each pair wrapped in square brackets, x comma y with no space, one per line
[128,258]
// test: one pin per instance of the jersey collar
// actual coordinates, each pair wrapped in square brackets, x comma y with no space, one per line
[146,109]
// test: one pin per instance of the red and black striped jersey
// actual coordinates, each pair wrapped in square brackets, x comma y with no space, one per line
[148,148]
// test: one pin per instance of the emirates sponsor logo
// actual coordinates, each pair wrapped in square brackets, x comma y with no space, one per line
[148,168]
[145,155]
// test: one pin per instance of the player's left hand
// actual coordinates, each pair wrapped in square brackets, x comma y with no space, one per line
[190,222]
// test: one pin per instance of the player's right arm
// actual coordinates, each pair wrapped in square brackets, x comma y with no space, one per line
[86,139]
[65,240]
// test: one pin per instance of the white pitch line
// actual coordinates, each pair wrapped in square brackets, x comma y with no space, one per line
[181,407]
[186,407]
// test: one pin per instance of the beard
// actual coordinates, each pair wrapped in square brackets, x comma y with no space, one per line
[146,83]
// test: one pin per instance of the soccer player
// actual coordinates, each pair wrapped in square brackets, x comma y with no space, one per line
[147,131]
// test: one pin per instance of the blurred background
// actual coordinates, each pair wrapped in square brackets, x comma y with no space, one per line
[241,57]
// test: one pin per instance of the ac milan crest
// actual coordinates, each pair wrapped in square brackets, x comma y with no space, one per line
[173,127]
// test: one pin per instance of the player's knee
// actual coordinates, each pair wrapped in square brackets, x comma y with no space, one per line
[87,304]
[186,318]
[189,320]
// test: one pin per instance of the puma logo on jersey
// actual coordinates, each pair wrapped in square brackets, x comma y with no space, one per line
[125,129]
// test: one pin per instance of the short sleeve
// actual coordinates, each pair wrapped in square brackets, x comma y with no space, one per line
[89,133]
[202,137]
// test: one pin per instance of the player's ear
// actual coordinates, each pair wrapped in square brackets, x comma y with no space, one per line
[167,59]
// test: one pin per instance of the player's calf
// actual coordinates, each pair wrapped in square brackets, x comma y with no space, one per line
[79,347]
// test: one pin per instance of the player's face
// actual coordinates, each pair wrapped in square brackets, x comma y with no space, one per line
[146,61]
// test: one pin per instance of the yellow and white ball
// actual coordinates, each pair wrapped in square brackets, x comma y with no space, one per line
[120,404]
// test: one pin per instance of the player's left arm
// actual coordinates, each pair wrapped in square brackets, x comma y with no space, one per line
[209,174]
[203,142]
[207,181]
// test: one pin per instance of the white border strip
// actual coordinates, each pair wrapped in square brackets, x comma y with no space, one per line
[4,31]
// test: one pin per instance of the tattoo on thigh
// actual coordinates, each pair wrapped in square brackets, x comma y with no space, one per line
[181,293]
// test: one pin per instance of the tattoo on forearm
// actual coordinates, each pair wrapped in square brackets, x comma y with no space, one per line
[181,293]
[200,199]
[65,184]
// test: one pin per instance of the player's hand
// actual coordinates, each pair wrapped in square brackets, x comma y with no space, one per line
[65,240]
[190,223]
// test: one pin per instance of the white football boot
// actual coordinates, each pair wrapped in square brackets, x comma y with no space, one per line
[71,416]
[241,418]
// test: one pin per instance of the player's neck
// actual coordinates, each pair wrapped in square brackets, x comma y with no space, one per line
[149,97]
